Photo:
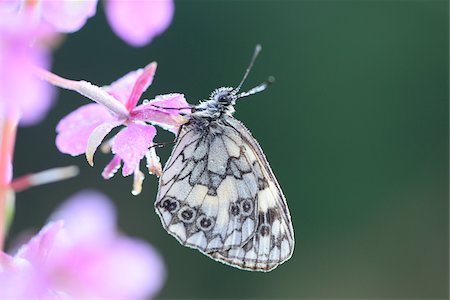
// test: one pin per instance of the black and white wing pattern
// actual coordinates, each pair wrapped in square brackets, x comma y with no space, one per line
[218,194]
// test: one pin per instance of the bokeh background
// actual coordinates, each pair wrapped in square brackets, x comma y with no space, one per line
[355,128]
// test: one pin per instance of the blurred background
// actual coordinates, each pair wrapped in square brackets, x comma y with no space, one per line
[355,129]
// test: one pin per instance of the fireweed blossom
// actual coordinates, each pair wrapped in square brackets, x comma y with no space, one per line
[28,32]
[29,29]
[83,130]
[139,22]
[79,254]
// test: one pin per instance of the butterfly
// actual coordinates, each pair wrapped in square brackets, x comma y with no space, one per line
[217,192]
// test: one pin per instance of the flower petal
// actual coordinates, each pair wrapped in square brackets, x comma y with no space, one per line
[122,88]
[68,16]
[17,61]
[87,215]
[115,269]
[44,248]
[87,260]
[131,144]
[97,136]
[141,85]
[73,130]
[112,167]
[17,278]
[163,111]
[171,103]
[138,22]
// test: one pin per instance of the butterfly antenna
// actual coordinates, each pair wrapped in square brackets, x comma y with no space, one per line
[259,88]
[255,54]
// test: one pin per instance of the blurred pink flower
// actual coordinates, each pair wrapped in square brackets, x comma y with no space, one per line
[27,31]
[138,22]
[81,255]
[22,94]
[83,130]
[62,16]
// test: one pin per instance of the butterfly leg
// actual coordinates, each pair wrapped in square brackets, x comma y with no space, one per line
[160,145]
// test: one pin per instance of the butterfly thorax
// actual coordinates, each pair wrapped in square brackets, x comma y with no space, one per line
[219,104]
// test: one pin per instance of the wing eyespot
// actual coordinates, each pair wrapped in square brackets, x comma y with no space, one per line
[205,223]
[187,214]
[169,204]
[246,207]
[235,210]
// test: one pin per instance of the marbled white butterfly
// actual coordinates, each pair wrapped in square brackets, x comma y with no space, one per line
[217,192]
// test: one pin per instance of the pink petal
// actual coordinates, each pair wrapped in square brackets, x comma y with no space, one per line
[141,85]
[44,249]
[73,130]
[102,263]
[122,88]
[112,167]
[88,260]
[113,269]
[97,136]
[87,215]
[10,6]
[157,112]
[175,101]
[17,278]
[20,90]
[68,16]
[138,22]
[131,144]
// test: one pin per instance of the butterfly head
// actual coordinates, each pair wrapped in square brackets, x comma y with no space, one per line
[222,100]
[224,96]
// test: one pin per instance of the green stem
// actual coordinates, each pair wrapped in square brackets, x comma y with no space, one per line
[8,128]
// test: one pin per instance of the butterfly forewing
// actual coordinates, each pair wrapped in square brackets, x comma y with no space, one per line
[203,198]
[218,194]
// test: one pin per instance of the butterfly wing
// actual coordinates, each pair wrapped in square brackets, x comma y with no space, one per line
[207,192]
[273,241]
[218,194]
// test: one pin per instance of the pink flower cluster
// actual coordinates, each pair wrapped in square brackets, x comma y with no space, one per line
[83,130]
[80,255]
[29,29]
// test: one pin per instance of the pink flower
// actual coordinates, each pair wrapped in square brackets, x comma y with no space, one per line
[138,22]
[27,30]
[81,255]
[83,130]
[17,61]
[61,16]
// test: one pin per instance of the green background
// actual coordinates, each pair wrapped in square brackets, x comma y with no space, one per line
[355,129]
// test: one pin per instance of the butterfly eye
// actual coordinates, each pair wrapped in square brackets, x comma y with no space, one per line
[223,98]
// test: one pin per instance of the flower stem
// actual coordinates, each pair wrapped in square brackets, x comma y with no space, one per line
[8,128]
